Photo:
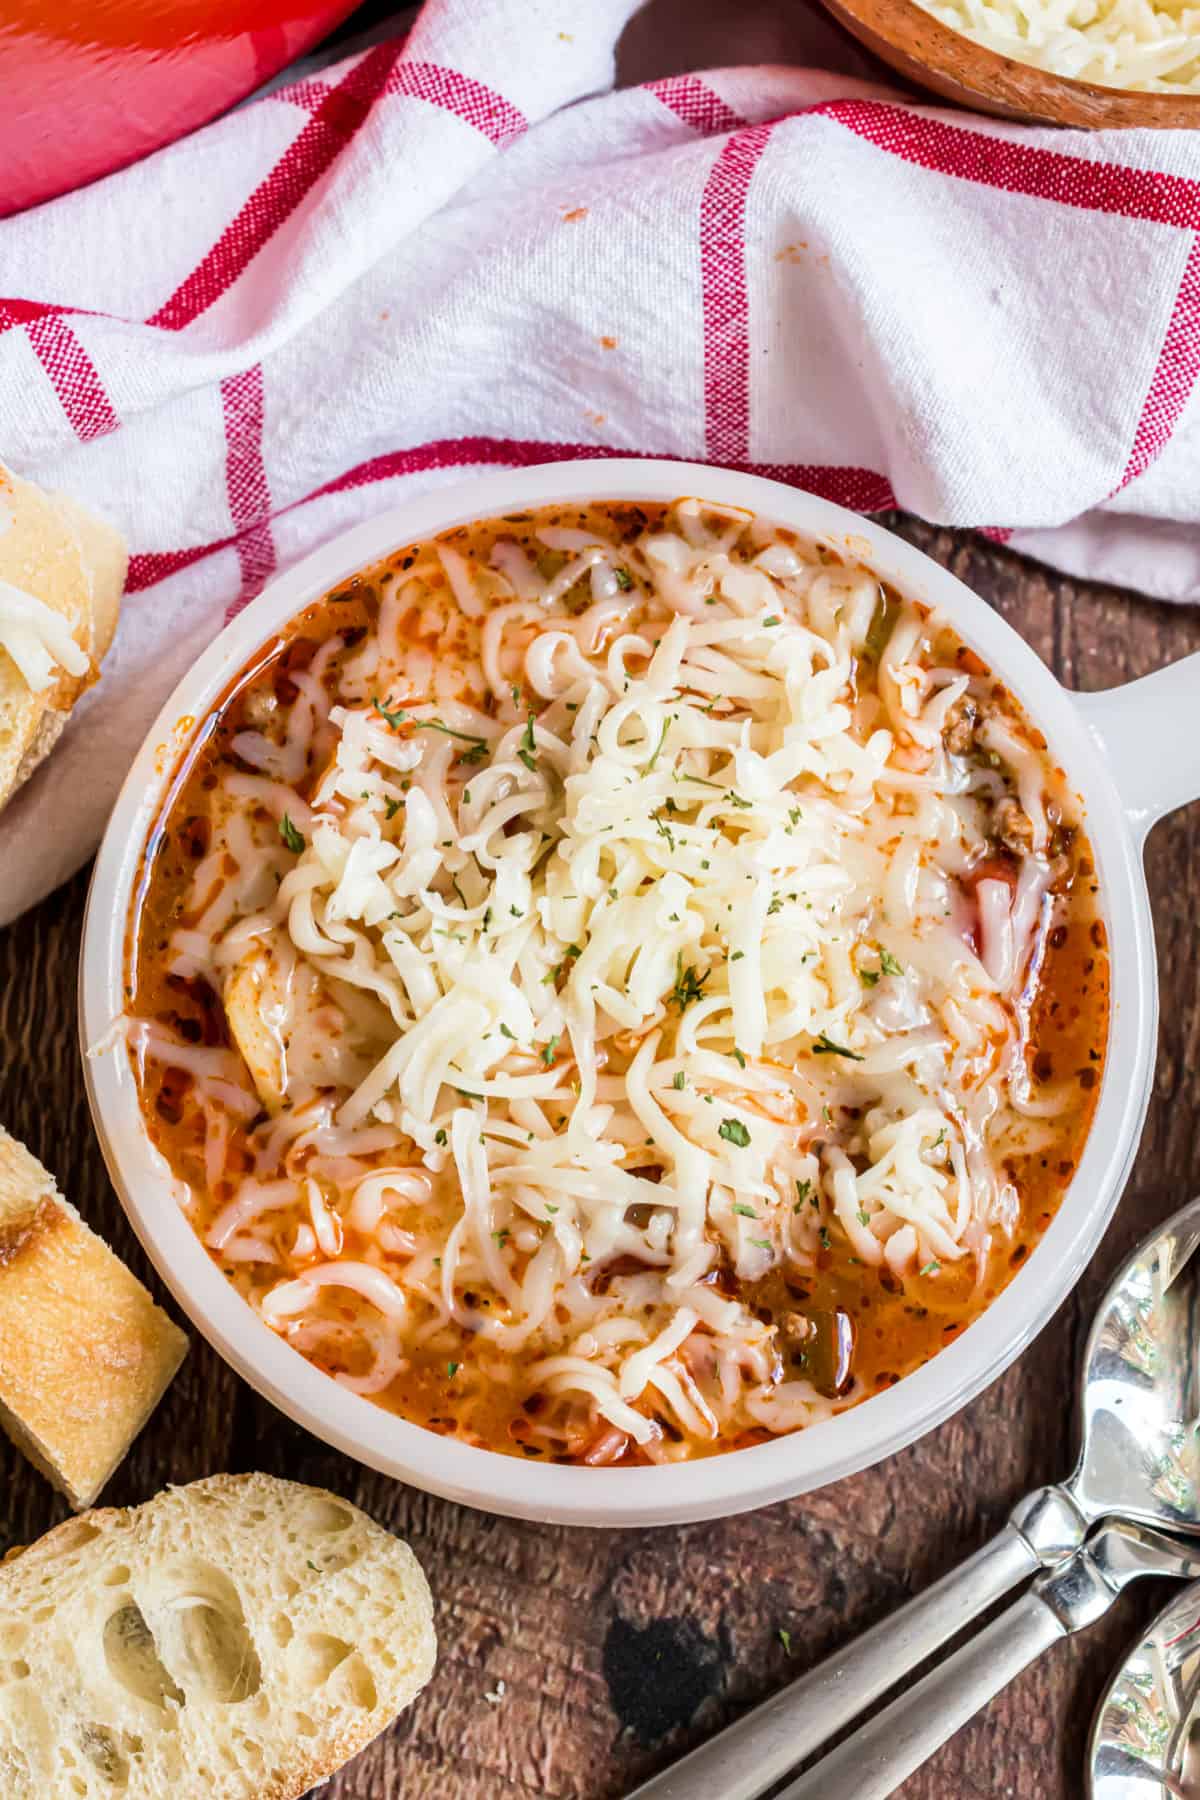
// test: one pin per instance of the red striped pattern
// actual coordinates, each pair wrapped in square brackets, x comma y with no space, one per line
[339,116]
[1174,377]
[725,297]
[1015,168]
[73,376]
[860,489]
[697,104]
[246,482]
[476,105]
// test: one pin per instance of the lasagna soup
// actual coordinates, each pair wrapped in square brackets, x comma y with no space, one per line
[617,983]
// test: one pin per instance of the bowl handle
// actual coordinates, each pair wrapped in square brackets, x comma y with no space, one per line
[1149,734]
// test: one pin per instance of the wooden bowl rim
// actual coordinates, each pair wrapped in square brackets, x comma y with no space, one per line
[1036,94]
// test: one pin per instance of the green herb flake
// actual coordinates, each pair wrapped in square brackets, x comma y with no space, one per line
[803,1192]
[679,1081]
[888,964]
[746,1212]
[662,738]
[624,579]
[760,1243]
[689,984]
[452,1370]
[864,1217]
[734,1132]
[785,1638]
[932,1268]
[291,837]
[548,1054]
[739,1058]
[773,620]
[505,1032]
[393,807]
[825,1046]
[439,1137]
[823,1234]
[869,977]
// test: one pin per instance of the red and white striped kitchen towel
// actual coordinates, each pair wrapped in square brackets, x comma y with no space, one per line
[467,248]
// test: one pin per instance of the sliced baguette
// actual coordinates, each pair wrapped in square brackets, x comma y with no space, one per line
[85,1354]
[73,562]
[237,1639]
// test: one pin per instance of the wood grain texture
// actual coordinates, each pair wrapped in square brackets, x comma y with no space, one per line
[606,1655]
[935,56]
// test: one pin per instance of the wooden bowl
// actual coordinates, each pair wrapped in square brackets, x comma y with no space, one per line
[932,55]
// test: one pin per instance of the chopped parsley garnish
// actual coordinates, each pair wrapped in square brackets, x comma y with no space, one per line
[664,831]
[528,750]
[803,1193]
[689,984]
[291,837]
[678,1082]
[736,800]
[823,1234]
[932,1268]
[760,1243]
[624,579]
[393,718]
[869,977]
[393,807]
[734,1132]
[548,1054]
[505,1032]
[888,964]
[773,620]
[662,738]
[737,956]
[398,716]
[452,1370]
[501,1237]
[569,955]
[747,1212]
[793,815]
[864,1217]
[740,1058]
[785,1638]
[825,1046]
[439,1137]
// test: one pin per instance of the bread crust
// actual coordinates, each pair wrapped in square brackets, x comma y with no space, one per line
[74,563]
[274,1550]
[85,1354]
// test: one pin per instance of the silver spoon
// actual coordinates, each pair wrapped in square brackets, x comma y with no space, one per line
[1145,1743]
[884,1750]
[1140,1461]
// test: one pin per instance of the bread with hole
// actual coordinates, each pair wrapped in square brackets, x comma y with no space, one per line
[236,1639]
[85,1354]
[62,570]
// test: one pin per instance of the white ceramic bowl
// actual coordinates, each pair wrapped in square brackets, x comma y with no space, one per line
[1132,754]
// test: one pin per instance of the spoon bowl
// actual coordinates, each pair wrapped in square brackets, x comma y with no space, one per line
[1141,1387]
[1145,1742]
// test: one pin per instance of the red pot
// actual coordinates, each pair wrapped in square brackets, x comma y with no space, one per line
[86,87]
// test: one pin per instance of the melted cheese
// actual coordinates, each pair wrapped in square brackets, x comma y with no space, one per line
[38,640]
[647,937]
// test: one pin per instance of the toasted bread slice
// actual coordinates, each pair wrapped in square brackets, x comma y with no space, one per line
[237,1639]
[65,568]
[85,1354]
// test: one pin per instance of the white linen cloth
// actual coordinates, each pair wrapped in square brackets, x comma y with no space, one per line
[468,248]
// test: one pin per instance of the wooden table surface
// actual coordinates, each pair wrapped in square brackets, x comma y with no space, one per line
[613,1652]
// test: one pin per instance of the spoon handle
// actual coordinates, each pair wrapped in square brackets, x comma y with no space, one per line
[875,1759]
[743,1761]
